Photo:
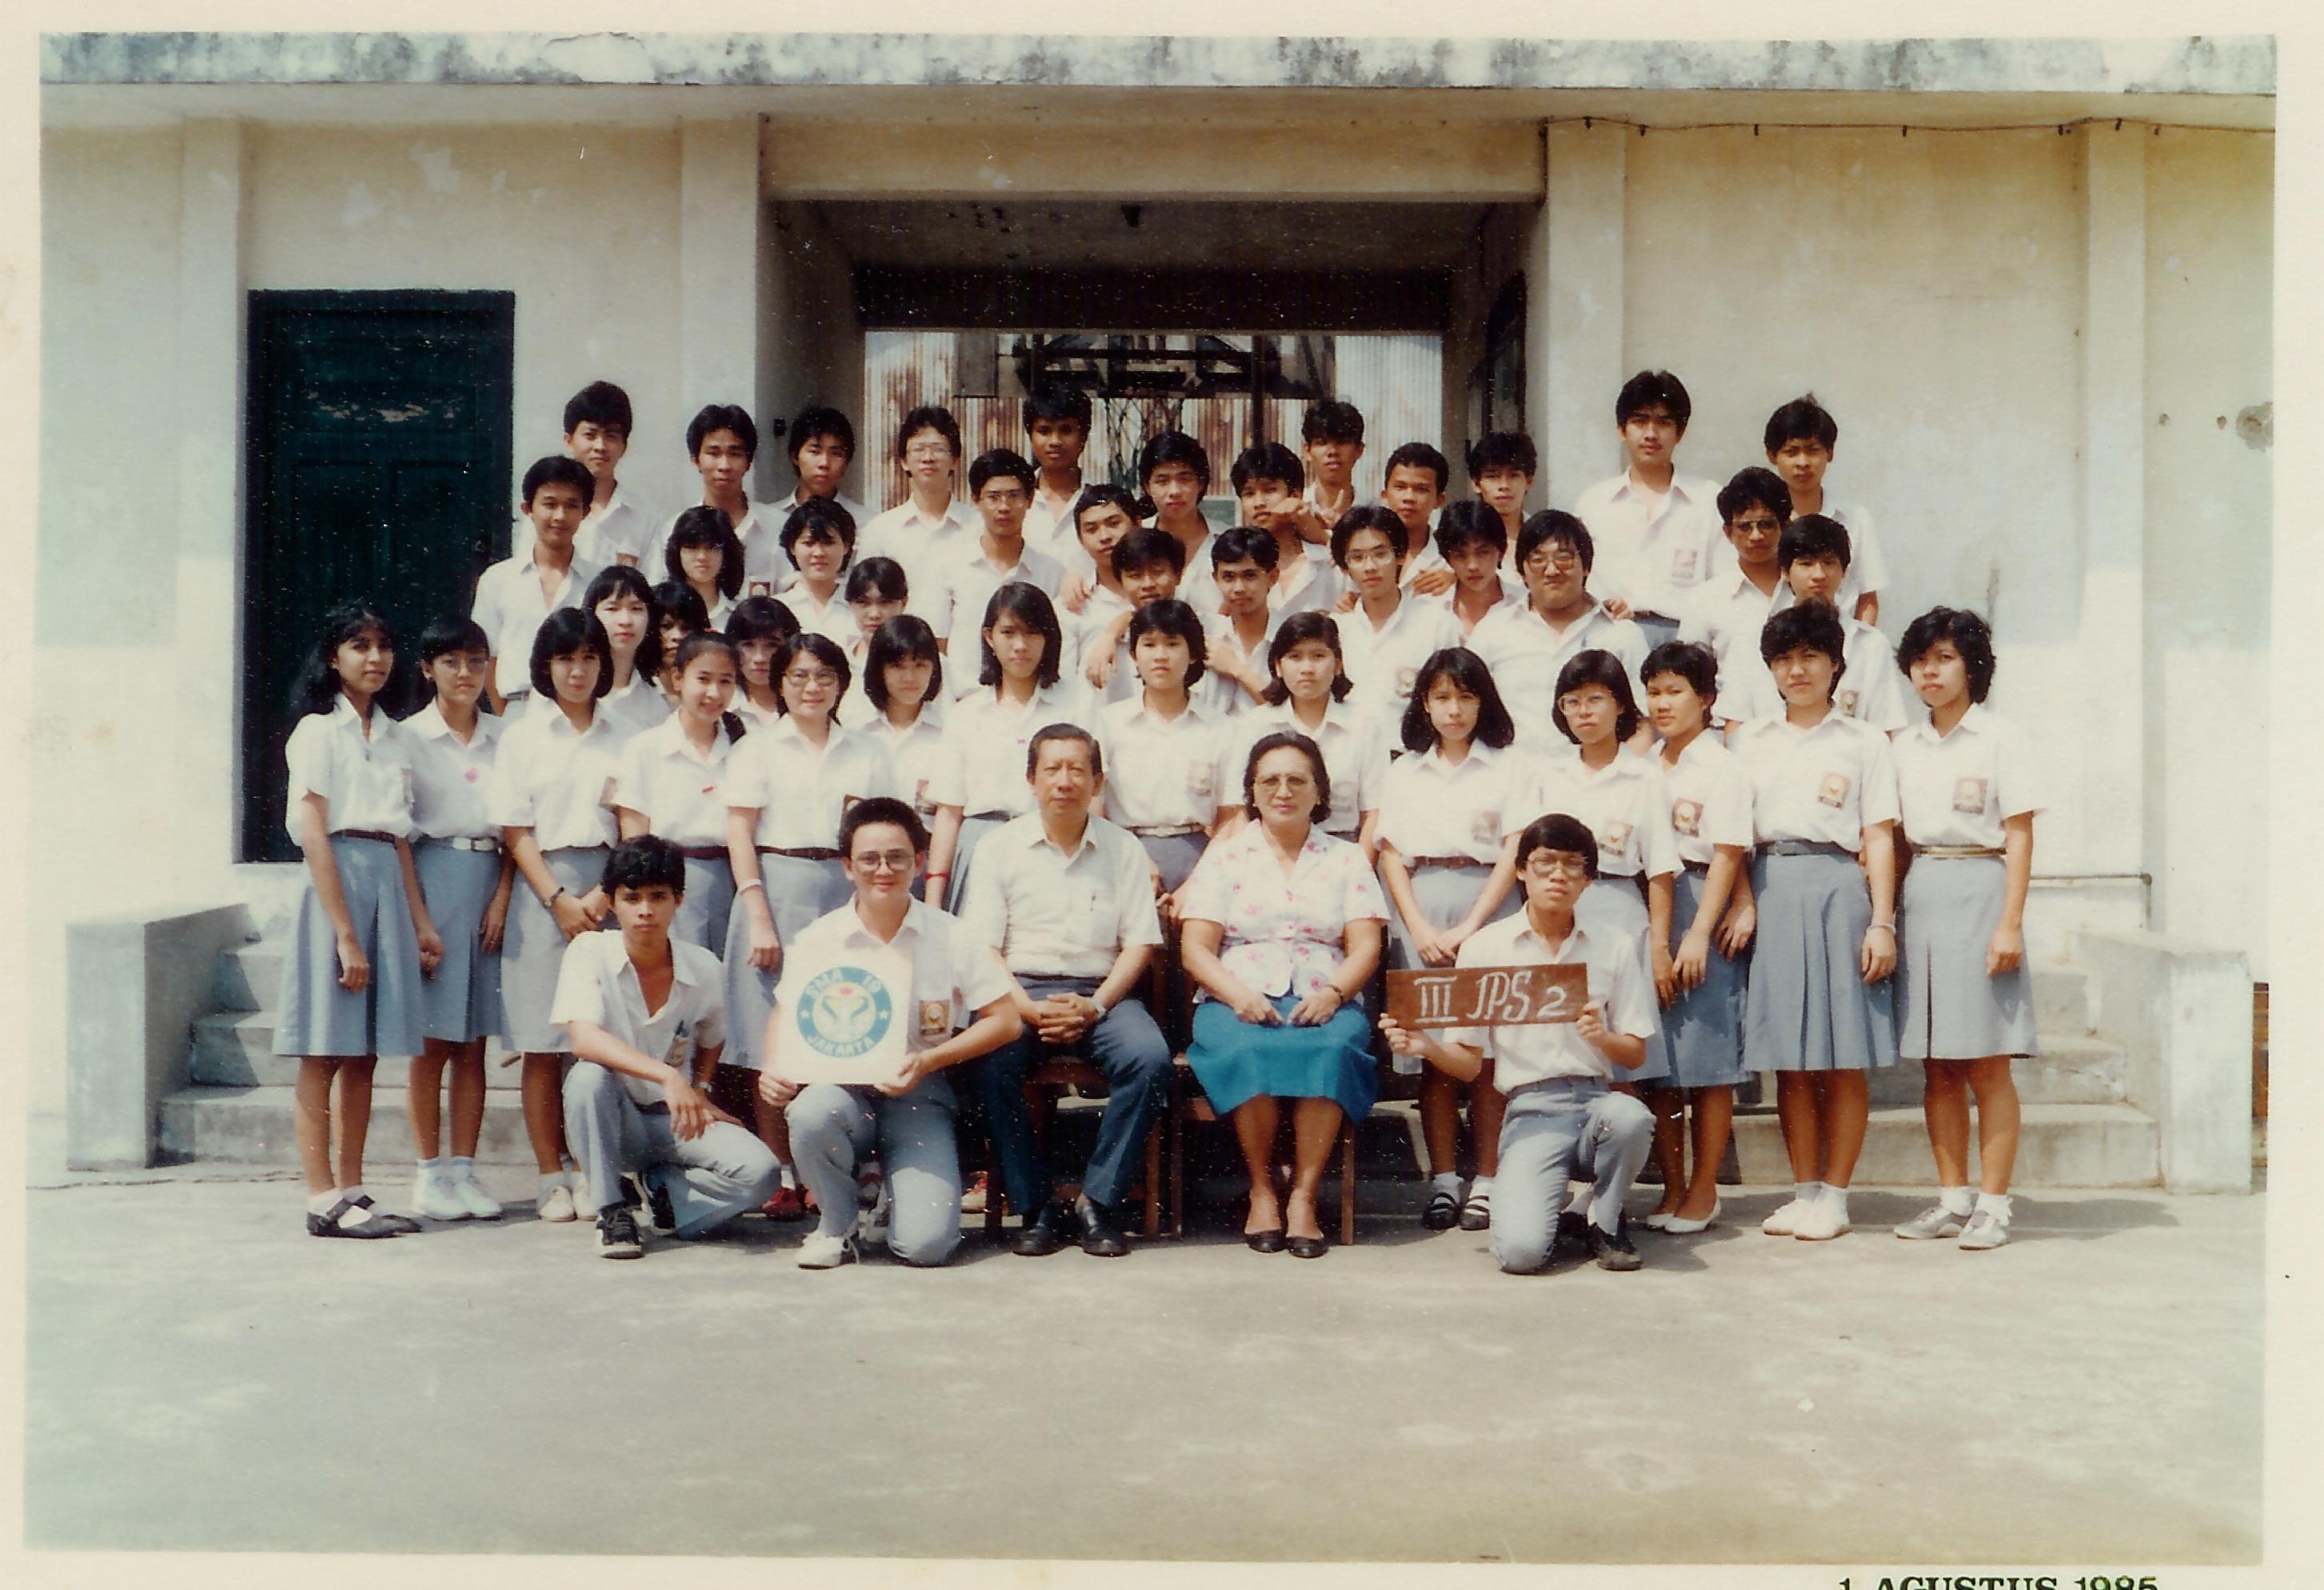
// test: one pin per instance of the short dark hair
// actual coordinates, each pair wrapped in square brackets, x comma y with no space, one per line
[1170,616]
[1280,740]
[1503,449]
[1972,636]
[1172,447]
[1053,400]
[1309,625]
[1596,667]
[1098,496]
[450,633]
[1419,455]
[881,808]
[706,526]
[674,598]
[1468,524]
[559,470]
[1495,728]
[904,636]
[1801,420]
[1055,733]
[564,633]
[820,419]
[1240,541]
[1649,387]
[877,579]
[1331,421]
[1367,516]
[1559,831]
[1027,604]
[706,640]
[1145,547]
[1814,624]
[1691,660]
[824,650]
[600,403]
[317,686]
[1268,460]
[1755,487]
[712,417]
[1554,525]
[621,580]
[761,618]
[818,514]
[1000,461]
[932,417]
[1812,535]
[646,862]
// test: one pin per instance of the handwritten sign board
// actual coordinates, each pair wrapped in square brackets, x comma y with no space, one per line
[1488,996]
[848,1023]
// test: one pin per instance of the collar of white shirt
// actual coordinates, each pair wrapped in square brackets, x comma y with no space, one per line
[704,969]
[1038,834]
[428,724]
[1972,720]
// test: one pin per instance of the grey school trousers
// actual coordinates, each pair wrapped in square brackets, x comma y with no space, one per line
[1570,1129]
[711,1179]
[918,1144]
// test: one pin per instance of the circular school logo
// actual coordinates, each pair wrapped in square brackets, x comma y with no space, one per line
[845,1012]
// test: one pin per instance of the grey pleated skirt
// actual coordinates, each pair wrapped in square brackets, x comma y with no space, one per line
[532,951]
[1445,895]
[1706,1022]
[313,1014]
[709,903]
[972,829]
[798,891]
[462,1001]
[1615,909]
[1947,1007]
[1808,1007]
[1174,854]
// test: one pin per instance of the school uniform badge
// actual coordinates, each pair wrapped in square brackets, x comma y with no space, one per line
[1617,838]
[1968,797]
[1847,703]
[1485,827]
[1686,818]
[1834,792]
[1202,779]
[1682,565]
[1405,679]
[935,1019]
[846,1022]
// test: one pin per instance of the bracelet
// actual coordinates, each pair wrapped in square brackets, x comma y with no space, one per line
[945,876]
[551,904]
[754,883]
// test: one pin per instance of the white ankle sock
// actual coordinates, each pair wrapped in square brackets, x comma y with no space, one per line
[429,1167]
[1836,1198]
[552,1178]
[1955,1199]
[1806,1192]
[1446,1181]
[1995,1205]
[321,1203]
[1481,1188]
[463,1165]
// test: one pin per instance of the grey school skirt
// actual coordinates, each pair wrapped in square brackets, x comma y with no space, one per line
[1808,1007]
[972,830]
[1706,1022]
[532,951]
[462,1001]
[1173,854]
[1615,909]
[1947,1007]
[798,891]
[1445,895]
[709,903]
[313,1014]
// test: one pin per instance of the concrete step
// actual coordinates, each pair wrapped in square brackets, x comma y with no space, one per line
[256,1126]
[2062,999]
[2059,1145]
[250,975]
[2071,1069]
[235,1048]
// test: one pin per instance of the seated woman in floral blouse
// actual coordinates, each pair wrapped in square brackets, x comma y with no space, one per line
[1282,930]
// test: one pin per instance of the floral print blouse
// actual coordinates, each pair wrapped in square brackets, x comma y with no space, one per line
[1282,935]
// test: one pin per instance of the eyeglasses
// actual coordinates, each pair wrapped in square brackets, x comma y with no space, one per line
[1557,864]
[886,861]
[810,676]
[935,450]
[1560,558]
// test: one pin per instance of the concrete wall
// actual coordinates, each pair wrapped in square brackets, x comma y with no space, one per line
[811,343]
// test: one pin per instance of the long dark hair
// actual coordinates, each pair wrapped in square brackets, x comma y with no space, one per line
[317,687]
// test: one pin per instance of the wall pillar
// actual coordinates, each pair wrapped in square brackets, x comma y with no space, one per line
[1573,310]
[718,221]
[208,401]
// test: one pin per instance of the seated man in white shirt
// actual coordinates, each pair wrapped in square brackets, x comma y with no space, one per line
[646,1015]
[1067,901]
[1563,1118]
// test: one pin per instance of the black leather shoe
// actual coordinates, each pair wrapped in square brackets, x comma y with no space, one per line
[1573,1229]
[1046,1232]
[1102,1236]
[1307,1247]
[1613,1249]
[1265,1241]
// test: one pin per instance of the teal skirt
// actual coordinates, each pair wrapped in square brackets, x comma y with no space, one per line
[1236,1061]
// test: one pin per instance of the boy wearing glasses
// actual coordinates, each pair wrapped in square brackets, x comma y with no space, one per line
[1525,646]
[967,572]
[930,518]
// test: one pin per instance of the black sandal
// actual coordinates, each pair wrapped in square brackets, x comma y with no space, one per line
[398,1224]
[327,1224]
[1443,1211]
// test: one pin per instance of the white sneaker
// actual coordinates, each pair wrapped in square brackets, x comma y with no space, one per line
[433,1197]
[479,1204]
[819,1251]
[1933,1222]
[1820,1222]
[1984,1230]
[1785,1220]
[556,1204]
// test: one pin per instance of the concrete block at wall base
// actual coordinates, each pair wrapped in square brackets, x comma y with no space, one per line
[2057,1145]
[259,1126]
[135,982]
[2182,1013]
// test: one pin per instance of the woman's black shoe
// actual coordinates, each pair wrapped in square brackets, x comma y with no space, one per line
[1265,1241]
[1308,1247]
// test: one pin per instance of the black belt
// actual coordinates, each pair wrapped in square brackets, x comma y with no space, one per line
[1465,863]
[707,852]
[989,817]
[364,834]
[1803,847]
[804,852]
[1695,866]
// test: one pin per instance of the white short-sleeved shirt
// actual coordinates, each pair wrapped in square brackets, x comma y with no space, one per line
[1354,755]
[1198,584]
[962,581]
[1870,685]
[980,764]
[613,529]
[1282,935]
[1826,782]
[1424,561]
[1313,586]
[365,781]
[681,792]
[913,751]
[598,984]
[1622,804]
[1526,654]
[1049,522]
[765,569]
[1166,773]
[1382,662]
[834,620]
[448,778]
[1513,595]
[1543,1051]
[753,716]
[1956,789]
[913,538]
[635,708]
[1727,613]
[1059,915]
[1438,807]
[1651,551]
[555,781]
[510,609]
[951,973]
[1709,796]
[1868,570]
[1230,697]
[800,791]
[1085,630]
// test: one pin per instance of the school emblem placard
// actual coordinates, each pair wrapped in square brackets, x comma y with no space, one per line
[848,1022]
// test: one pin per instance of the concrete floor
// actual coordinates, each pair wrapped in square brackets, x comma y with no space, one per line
[2090,1393]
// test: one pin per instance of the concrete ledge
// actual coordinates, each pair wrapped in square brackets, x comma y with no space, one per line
[135,983]
[2182,1013]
